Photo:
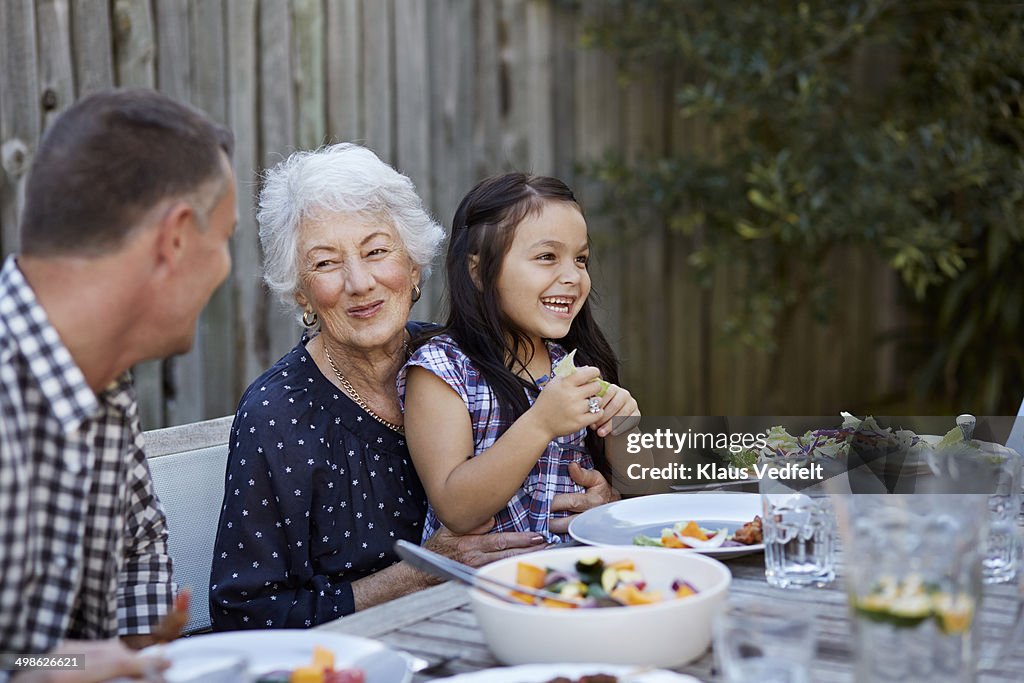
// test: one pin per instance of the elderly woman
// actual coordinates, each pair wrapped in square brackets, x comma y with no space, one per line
[319,481]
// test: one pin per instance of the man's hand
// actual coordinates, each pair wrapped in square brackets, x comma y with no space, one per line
[168,629]
[105,660]
[598,492]
[478,547]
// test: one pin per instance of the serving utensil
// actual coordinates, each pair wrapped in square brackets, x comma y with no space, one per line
[714,485]
[439,565]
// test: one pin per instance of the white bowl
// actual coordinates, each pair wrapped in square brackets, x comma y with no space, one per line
[665,634]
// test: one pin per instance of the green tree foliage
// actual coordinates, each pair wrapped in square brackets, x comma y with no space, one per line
[892,124]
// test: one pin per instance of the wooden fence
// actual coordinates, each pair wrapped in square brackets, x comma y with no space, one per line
[448,91]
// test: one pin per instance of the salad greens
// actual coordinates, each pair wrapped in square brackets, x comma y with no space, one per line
[836,443]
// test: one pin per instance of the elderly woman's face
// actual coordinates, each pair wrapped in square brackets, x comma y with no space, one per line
[355,273]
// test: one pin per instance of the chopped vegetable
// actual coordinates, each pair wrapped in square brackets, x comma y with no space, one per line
[909,602]
[595,584]
[690,535]
[567,366]
[320,670]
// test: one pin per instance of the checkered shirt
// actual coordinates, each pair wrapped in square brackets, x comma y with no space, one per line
[530,507]
[83,540]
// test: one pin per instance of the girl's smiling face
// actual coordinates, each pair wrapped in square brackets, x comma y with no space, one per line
[544,281]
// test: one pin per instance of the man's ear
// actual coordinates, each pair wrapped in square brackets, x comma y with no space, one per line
[474,270]
[174,231]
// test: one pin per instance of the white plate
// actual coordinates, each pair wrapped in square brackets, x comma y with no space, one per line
[270,650]
[617,523]
[539,673]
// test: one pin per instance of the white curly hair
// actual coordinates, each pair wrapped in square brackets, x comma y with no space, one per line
[339,178]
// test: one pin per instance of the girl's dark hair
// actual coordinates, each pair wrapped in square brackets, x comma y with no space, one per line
[484,226]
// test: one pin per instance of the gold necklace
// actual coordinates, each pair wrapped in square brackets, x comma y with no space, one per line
[359,401]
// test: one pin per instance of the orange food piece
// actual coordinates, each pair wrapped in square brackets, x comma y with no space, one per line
[685,592]
[669,540]
[528,599]
[547,602]
[631,595]
[323,658]
[622,564]
[530,575]
[693,531]
[307,674]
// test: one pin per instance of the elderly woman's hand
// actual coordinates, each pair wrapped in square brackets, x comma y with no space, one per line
[479,547]
[598,492]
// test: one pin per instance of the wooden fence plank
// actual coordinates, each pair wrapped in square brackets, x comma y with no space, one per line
[308,56]
[378,78]
[277,114]
[515,85]
[209,85]
[412,125]
[220,386]
[597,130]
[134,43]
[344,65]
[183,375]
[565,45]
[249,293]
[539,120]
[452,62]
[487,128]
[412,94]
[19,111]
[173,49]
[636,309]
[93,45]
[56,72]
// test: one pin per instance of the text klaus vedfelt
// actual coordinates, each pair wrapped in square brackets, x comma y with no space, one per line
[668,440]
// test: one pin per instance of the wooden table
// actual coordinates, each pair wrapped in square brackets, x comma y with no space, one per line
[438,625]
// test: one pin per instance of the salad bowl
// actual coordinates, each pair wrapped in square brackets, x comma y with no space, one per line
[668,633]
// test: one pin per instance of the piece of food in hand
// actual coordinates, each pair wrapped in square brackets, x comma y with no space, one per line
[567,366]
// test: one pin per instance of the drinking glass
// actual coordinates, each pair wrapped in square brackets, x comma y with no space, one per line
[799,531]
[999,559]
[768,642]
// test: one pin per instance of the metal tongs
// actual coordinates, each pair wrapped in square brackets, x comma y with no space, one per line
[439,565]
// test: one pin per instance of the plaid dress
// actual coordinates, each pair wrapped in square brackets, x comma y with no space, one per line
[530,508]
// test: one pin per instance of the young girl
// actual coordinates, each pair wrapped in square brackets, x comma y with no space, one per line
[491,430]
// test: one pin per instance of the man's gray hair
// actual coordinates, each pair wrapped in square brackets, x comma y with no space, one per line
[340,178]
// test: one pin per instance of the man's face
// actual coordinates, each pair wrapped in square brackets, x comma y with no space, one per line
[208,263]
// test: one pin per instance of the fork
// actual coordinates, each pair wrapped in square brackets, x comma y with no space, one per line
[439,565]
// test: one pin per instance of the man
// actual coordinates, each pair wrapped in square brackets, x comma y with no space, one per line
[124,237]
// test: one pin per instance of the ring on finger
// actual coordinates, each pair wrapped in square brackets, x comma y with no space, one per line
[593,405]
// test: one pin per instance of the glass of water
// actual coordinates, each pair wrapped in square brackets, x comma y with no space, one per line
[768,642]
[999,559]
[799,530]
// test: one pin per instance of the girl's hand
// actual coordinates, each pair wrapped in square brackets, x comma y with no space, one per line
[617,402]
[563,406]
